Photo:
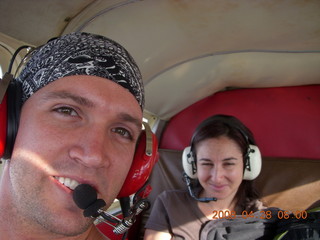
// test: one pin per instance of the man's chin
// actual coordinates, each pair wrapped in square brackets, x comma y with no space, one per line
[73,230]
[72,224]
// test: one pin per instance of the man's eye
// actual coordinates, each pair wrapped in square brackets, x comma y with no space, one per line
[123,132]
[66,111]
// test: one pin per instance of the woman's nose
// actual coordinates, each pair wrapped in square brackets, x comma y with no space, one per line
[90,149]
[217,173]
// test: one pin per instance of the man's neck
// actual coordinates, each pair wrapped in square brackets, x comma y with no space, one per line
[9,233]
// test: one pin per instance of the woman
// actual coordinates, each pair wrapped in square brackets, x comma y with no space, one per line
[222,152]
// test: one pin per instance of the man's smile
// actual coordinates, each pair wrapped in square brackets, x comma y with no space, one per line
[68,182]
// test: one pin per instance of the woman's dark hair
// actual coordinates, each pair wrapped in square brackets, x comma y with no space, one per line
[231,127]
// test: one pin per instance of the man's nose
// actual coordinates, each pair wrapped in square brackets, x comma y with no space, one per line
[90,147]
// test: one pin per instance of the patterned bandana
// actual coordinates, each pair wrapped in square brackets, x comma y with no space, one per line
[81,54]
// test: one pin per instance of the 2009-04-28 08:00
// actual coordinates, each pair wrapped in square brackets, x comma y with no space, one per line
[262,214]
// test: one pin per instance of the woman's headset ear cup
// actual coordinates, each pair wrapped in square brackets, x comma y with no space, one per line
[142,164]
[254,165]
[189,163]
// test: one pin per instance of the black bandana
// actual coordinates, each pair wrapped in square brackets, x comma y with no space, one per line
[81,54]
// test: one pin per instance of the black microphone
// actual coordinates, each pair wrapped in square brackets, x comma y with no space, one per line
[189,185]
[85,196]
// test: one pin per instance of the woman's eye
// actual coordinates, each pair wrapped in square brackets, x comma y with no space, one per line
[207,164]
[229,164]
[123,132]
[66,111]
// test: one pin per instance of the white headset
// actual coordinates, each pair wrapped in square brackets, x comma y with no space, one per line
[252,168]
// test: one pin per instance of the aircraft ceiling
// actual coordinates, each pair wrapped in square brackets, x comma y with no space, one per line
[187,49]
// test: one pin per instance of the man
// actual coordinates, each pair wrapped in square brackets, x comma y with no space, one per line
[80,120]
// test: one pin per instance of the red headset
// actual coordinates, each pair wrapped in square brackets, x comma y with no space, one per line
[3,125]
[145,157]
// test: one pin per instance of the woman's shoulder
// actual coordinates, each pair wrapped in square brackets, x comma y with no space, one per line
[174,194]
[254,205]
[259,205]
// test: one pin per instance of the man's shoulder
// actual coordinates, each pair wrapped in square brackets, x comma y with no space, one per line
[96,234]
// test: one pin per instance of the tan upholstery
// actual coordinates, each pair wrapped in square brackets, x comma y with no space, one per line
[164,176]
[167,173]
[291,184]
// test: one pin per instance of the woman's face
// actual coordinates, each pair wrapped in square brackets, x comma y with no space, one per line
[219,167]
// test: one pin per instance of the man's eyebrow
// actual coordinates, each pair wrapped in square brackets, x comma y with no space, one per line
[129,118]
[86,102]
[67,95]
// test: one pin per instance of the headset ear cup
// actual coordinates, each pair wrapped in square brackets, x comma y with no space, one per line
[9,121]
[189,163]
[14,103]
[3,125]
[255,163]
[142,164]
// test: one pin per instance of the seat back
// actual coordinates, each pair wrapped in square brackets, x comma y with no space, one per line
[289,183]
[284,120]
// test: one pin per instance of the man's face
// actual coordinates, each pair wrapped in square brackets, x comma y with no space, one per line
[78,129]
